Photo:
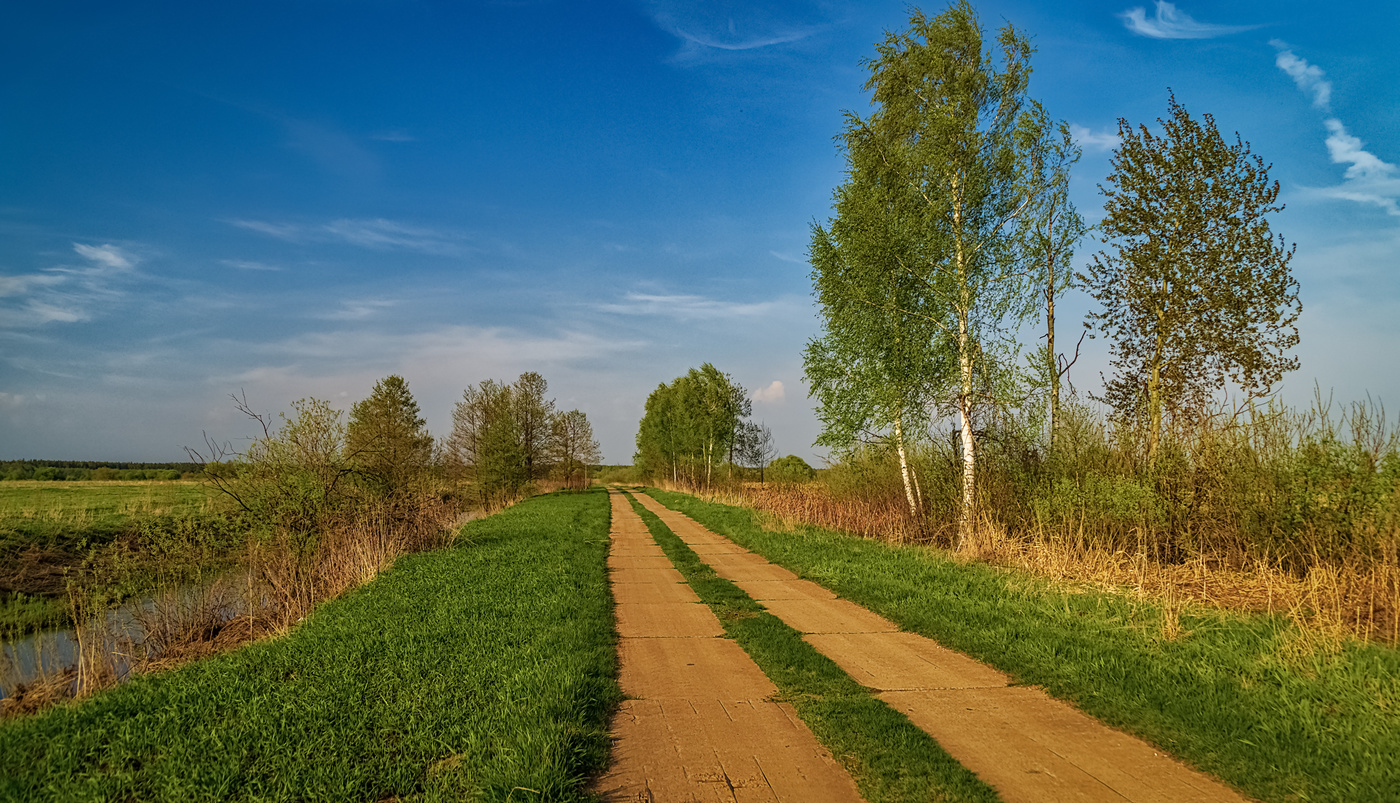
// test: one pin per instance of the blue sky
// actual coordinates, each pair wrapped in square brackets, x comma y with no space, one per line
[298,198]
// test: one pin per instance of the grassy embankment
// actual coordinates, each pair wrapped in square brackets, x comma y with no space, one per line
[890,758]
[483,671]
[1279,712]
[48,528]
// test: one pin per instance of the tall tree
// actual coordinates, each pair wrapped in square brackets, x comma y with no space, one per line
[946,154]
[1194,287]
[690,425]
[1053,228]
[573,447]
[532,416]
[386,439]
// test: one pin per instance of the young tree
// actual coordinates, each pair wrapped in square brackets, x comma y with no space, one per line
[946,154]
[532,416]
[755,447]
[573,445]
[386,440]
[1195,288]
[1053,228]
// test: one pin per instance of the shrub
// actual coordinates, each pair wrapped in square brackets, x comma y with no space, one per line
[790,469]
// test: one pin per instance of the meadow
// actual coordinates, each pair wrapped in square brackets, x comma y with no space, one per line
[1281,712]
[48,529]
[482,671]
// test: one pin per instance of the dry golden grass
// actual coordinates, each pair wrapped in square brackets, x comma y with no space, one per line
[1327,602]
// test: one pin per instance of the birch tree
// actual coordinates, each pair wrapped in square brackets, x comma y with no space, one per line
[946,154]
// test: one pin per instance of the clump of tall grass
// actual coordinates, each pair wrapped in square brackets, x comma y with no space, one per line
[1262,508]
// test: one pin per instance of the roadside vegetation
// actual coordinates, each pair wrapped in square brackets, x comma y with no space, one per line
[950,415]
[485,671]
[316,505]
[891,759]
[1282,713]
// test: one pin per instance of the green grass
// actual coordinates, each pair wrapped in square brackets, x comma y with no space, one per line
[58,514]
[890,758]
[1245,698]
[485,672]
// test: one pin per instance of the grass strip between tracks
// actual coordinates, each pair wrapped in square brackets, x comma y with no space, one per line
[1245,697]
[484,672]
[890,758]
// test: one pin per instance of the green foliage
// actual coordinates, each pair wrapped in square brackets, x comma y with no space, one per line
[691,426]
[505,436]
[460,674]
[501,470]
[1194,288]
[790,469]
[922,278]
[386,440]
[1235,696]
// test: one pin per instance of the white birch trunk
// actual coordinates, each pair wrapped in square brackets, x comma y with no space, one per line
[904,467]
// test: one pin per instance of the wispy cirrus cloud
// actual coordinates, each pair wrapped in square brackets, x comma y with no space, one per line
[687,307]
[374,233]
[1091,140]
[357,309]
[244,264]
[709,27]
[1368,178]
[67,293]
[1170,22]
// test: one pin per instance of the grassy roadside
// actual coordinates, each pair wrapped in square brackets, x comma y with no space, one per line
[478,672]
[890,758]
[1246,698]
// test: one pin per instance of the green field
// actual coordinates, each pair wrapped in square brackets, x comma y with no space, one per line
[484,672]
[61,514]
[1246,698]
[47,528]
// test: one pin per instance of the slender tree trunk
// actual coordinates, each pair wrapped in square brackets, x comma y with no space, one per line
[904,466]
[1154,387]
[1054,365]
[969,480]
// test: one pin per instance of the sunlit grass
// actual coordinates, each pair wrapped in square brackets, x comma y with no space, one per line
[474,672]
[1279,712]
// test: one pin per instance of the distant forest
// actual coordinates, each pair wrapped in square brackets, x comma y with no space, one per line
[93,470]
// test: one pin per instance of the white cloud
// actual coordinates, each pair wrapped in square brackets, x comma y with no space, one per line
[788,258]
[243,264]
[1169,22]
[1368,178]
[282,231]
[1308,77]
[1091,140]
[394,136]
[710,26]
[772,394]
[66,293]
[388,235]
[687,307]
[376,234]
[357,310]
[106,255]
[20,285]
